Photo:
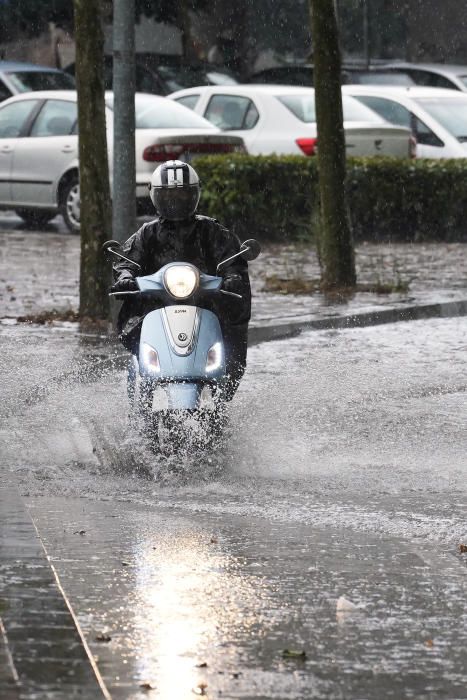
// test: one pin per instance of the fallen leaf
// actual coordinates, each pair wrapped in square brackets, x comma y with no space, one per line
[463,548]
[79,532]
[214,540]
[293,654]
[345,605]
[429,643]
[147,685]
[202,665]
[103,637]
[201,689]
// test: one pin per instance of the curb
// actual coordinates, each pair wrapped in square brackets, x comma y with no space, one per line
[265,333]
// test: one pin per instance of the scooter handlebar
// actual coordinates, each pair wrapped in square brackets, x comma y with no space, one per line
[120,295]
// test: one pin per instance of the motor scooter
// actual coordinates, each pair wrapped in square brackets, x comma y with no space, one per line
[179,373]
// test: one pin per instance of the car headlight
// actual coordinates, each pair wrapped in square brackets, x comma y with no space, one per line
[151,358]
[214,358]
[181,281]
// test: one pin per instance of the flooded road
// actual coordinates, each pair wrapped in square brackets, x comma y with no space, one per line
[342,474]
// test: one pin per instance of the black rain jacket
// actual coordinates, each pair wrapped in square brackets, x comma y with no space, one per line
[201,241]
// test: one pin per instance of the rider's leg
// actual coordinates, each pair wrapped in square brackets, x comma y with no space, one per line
[235,341]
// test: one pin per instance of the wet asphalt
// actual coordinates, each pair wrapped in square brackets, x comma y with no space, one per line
[342,474]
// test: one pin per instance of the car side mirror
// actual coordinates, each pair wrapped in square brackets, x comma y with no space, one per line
[250,249]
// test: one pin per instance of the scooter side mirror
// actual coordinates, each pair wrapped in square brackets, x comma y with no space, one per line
[111,244]
[250,249]
[114,248]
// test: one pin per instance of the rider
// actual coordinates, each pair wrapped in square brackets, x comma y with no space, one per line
[178,234]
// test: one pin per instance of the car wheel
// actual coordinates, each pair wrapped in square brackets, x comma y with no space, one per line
[34,218]
[70,204]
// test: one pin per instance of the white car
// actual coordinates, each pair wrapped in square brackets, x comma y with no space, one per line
[282,120]
[439,75]
[437,116]
[39,149]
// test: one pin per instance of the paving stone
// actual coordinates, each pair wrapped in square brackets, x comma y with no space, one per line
[41,636]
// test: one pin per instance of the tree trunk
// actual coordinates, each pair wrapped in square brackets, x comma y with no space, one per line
[335,237]
[93,160]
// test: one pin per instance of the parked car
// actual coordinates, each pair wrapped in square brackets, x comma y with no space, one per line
[437,117]
[351,72]
[16,78]
[185,76]
[161,75]
[451,77]
[39,149]
[376,76]
[292,74]
[275,119]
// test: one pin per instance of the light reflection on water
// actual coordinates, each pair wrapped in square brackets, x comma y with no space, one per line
[188,596]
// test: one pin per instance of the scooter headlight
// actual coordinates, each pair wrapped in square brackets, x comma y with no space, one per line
[151,359]
[181,281]
[214,358]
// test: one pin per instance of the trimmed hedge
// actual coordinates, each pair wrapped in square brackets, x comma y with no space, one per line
[276,198]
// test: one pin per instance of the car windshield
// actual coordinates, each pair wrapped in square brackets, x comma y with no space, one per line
[161,113]
[25,81]
[303,107]
[463,78]
[451,113]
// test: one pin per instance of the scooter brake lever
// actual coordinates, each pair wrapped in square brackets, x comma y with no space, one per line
[124,294]
[231,294]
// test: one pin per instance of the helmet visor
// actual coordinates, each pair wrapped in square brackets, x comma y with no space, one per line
[176,203]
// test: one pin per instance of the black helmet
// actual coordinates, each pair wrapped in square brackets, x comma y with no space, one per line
[175,190]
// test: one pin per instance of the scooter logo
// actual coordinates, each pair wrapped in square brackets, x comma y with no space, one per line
[182,337]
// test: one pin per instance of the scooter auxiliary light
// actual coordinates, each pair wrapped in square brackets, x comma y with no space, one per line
[181,281]
[214,358]
[151,358]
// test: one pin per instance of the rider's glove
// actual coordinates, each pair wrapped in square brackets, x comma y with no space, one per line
[233,283]
[125,284]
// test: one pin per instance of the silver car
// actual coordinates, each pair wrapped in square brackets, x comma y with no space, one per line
[39,149]
[16,77]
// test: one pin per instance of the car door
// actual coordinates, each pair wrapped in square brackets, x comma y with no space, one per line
[42,156]
[234,114]
[15,118]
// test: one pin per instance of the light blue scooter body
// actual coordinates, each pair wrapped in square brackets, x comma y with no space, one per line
[183,372]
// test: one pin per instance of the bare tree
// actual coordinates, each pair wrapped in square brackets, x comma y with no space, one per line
[335,236]
[93,160]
